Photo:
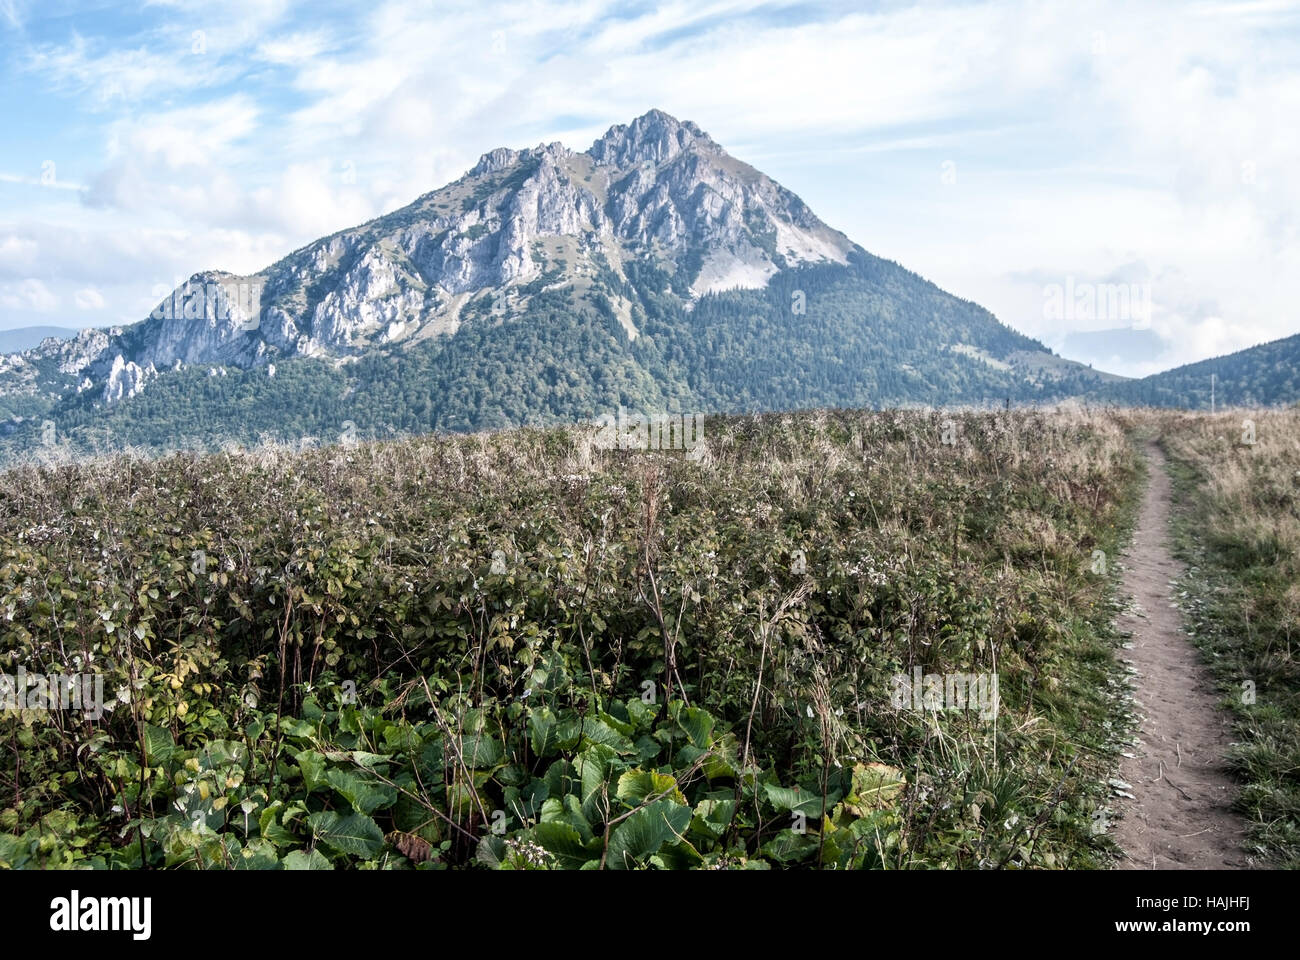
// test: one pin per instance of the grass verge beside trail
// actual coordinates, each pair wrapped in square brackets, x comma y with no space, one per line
[1237,526]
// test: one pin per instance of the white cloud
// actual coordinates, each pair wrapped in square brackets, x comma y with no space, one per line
[1084,138]
[49,182]
[29,295]
[89,299]
[110,77]
[9,10]
[295,49]
[122,267]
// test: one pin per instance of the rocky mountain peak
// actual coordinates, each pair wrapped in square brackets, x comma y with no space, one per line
[654,137]
[494,161]
[657,192]
[503,158]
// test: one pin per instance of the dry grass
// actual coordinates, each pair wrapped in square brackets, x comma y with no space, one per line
[1238,475]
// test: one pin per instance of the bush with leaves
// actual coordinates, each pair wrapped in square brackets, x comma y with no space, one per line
[527,650]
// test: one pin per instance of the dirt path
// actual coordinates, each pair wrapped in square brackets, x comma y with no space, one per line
[1179,817]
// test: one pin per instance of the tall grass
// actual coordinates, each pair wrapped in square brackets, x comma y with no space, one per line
[1238,473]
[780,580]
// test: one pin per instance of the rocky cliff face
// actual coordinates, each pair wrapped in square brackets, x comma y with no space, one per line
[126,379]
[655,190]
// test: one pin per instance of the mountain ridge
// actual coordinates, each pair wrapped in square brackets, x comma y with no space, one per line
[1266,374]
[543,285]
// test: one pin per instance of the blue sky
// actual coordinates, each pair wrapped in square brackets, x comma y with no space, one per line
[1004,150]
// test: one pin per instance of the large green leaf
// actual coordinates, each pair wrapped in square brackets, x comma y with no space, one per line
[569,811]
[808,802]
[159,745]
[365,794]
[789,847]
[636,785]
[724,757]
[677,856]
[480,751]
[712,817]
[874,786]
[361,757]
[355,834]
[217,754]
[698,726]
[565,844]
[542,731]
[306,860]
[642,715]
[595,768]
[614,723]
[257,854]
[491,850]
[561,778]
[312,766]
[13,852]
[526,804]
[270,829]
[641,835]
[589,730]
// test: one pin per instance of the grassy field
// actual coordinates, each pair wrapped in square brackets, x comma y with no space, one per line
[526,650]
[1239,476]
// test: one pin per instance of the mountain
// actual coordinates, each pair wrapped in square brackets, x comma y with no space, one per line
[24,338]
[1266,375]
[653,271]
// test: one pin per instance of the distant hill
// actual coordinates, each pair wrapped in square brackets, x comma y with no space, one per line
[25,338]
[1266,375]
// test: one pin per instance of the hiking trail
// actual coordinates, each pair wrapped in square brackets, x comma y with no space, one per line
[1180,815]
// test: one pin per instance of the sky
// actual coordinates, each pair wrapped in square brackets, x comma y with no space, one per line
[1116,179]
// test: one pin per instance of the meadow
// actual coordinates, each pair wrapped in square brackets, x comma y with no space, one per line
[527,650]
